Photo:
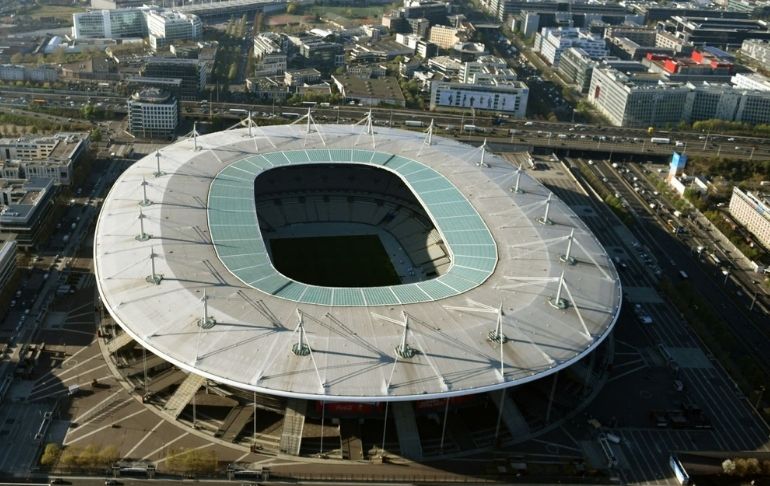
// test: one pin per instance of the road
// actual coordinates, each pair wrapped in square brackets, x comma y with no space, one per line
[673,256]
[644,449]
[546,135]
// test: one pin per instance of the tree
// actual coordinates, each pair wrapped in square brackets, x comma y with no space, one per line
[192,461]
[17,58]
[50,455]
[70,456]
[96,135]
[108,455]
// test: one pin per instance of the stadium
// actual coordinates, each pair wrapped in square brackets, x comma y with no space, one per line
[351,291]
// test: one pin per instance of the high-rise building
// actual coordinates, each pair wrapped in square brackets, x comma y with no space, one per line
[645,99]
[752,211]
[152,113]
[552,42]
[109,24]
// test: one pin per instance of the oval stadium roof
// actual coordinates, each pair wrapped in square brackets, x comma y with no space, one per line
[505,273]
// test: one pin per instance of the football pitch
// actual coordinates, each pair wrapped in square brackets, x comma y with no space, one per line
[335,261]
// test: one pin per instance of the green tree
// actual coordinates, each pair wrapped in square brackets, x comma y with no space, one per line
[291,9]
[96,135]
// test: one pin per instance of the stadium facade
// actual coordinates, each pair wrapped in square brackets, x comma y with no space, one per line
[351,290]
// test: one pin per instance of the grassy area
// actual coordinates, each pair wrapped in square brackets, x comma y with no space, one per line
[61,12]
[335,261]
[349,12]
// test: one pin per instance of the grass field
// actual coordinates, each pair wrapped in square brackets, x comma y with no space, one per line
[62,12]
[335,261]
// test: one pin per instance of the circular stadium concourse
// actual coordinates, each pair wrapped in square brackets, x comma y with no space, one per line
[340,290]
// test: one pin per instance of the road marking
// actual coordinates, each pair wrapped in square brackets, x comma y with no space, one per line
[65,380]
[243,457]
[136,446]
[66,370]
[78,352]
[87,412]
[634,370]
[166,445]
[59,392]
[193,449]
[75,331]
[96,431]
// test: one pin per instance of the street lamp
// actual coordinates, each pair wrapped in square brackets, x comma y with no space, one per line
[761,394]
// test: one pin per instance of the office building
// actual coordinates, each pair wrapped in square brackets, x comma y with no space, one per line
[446,37]
[550,43]
[52,156]
[753,212]
[167,26]
[316,52]
[192,72]
[752,81]
[152,113]
[298,77]
[758,50]
[636,101]
[26,210]
[486,94]
[647,99]
[716,32]
[576,66]
[110,24]
[270,54]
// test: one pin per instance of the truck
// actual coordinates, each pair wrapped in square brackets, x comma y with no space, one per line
[414,123]
[660,140]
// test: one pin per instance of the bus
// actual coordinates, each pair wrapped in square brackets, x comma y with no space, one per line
[238,110]
[39,101]
[290,115]
[660,140]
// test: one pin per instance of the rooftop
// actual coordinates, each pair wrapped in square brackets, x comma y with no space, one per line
[505,268]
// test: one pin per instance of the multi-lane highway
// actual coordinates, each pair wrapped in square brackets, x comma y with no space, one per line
[644,448]
[555,136]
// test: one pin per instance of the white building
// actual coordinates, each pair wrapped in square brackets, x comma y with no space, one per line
[50,157]
[757,49]
[110,24]
[166,26]
[38,74]
[753,212]
[483,64]
[551,42]
[754,81]
[489,94]
[644,100]
[269,54]
[152,113]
